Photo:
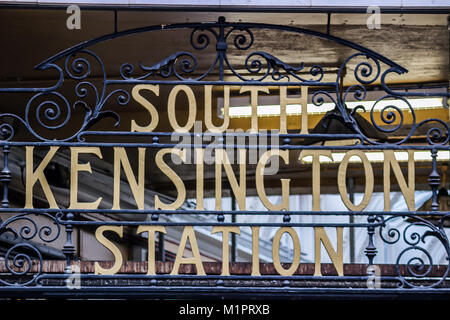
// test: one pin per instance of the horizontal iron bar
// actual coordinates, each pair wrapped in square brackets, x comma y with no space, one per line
[215,292]
[236,212]
[230,134]
[216,277]
[258,9]
[185,82]
[222,82]
[222,146]
[212,224]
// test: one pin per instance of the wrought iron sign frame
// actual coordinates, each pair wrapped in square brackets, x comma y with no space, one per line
[265,69]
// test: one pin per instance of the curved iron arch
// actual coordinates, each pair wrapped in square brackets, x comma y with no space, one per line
[221,23]
[278,72]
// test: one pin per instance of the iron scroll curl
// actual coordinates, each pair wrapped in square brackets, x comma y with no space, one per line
[24,257]
[419,261]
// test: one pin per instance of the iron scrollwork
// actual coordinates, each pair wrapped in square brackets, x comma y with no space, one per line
[419,261]
[183,67]
[23,260]
[51,111]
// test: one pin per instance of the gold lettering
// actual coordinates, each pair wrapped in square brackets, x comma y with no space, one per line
[276,251]
[226,246]
[179,185]
[135,93]
[315,172]
[121,158]
[76,167]
[199,165]
[226,109]
[151,245]
[118,259]
[254,91]
[407,191]
[259,176]
[33,176]
[188,234]
[303,101]
[238,190]
[255,251]
[337,257]
[342,185]
[171,108]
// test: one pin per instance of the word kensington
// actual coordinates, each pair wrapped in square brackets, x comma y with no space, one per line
[35,172]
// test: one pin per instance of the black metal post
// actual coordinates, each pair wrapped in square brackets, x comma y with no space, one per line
[69,249]
[115,21]
[5,176]
[221,46]
[371,250]
[434,180]
[328,22]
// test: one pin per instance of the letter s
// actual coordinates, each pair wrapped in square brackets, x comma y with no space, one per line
[135,93]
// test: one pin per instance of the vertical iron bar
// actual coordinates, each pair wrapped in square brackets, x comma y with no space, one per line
[371,250]
[5,176]
[328,23]
[220,215]
[161,249]
[434,180]
[221,46]
[351,191]
[115,21]
[233,235]
[69,249]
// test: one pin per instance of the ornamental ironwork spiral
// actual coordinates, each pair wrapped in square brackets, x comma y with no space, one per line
[390,114]
[318,98]
[49,114]
[391,235]
[6,132]
[80,63]
[244,38]
[420,265]
[20,258]
[28,232]
[200,37]
[51,110]
[358,92]
[436,135]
